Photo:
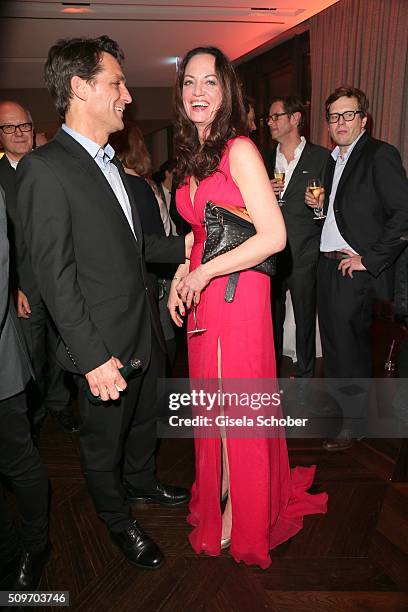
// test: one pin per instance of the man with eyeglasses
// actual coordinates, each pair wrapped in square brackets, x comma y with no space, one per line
[50,392]
[297,264]
[367,213]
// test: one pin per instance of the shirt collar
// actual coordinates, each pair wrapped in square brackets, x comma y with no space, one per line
[92,147]
[298,149]
[12,162]
[336,152]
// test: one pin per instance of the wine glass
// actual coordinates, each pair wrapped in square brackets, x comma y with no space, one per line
[196,330]
[279,175]
[315,187]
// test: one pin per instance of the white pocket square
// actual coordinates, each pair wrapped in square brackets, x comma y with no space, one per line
[305,171]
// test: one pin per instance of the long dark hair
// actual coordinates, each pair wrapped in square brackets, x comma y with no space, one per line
[192,158]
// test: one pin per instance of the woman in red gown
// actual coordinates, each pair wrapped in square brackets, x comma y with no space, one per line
[266,501]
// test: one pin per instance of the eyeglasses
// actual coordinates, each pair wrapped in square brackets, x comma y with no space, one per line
[276,116]
[347,116]
[10,129]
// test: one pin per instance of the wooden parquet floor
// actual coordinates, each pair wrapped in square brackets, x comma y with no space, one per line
[352,559]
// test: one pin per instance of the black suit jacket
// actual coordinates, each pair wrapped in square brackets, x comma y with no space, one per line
[371,207]
[21,271]
[303,231]
[90,269]
[15,368]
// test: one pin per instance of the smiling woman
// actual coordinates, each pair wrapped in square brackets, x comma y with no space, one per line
[231,339]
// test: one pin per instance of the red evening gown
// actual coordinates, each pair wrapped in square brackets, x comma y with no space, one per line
[268,499]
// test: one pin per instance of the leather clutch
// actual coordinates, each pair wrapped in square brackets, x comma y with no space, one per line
[227,227]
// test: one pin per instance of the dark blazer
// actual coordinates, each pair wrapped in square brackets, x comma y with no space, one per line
[90,269]
[21,271]
[302,230]
[371,207]
[15,368]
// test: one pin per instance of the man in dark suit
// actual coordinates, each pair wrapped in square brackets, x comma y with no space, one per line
[50,392]
[19,459]
[367,213]
[297,264]
[88,253]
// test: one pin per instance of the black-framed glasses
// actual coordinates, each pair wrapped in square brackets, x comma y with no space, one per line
[347,116]
[10,129]
[275,116]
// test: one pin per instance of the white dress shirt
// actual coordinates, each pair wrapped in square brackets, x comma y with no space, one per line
[331,239]
[289,167]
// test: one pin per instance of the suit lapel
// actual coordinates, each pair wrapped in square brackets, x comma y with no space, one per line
[351,164]
[92,170]
[328,181]
[137,226]
[298,172]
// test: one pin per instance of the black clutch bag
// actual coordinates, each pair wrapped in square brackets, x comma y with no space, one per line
[227,227]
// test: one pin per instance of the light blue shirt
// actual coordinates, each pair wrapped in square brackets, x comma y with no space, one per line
[103,156]
[331,239]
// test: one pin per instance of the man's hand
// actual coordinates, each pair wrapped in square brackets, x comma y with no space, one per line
[22,305]
[350,263]
[106,381]
[277,186]
[175,305]
[313,202]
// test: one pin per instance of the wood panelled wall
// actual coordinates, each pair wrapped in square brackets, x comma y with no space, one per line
[282,71]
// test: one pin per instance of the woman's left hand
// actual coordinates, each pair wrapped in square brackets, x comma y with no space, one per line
[190,288]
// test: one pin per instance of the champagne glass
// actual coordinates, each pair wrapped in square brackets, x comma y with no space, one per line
[279,175]
[196,330]
[315,187]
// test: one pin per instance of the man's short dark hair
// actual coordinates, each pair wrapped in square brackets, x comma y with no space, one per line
[292,104]
[347,91]
[75,57]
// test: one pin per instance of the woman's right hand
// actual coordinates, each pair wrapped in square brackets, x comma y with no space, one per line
[175,304]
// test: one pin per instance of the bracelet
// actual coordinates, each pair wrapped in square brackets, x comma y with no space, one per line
[187,258]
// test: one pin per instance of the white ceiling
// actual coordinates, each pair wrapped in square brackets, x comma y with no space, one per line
[152,33]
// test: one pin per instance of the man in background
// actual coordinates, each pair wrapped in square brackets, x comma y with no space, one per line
[50,393]
[366,200]
[297,264]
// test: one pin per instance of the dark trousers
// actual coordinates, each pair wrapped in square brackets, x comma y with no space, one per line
[302,286]
[50,391]
[20,463]
[118,440]
[345,308]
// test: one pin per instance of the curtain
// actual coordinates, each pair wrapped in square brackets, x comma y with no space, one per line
[363,43]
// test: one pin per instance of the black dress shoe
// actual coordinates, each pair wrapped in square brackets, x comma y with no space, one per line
[138,548]
[166,495]
[31,569]
[67,420]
